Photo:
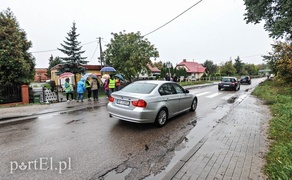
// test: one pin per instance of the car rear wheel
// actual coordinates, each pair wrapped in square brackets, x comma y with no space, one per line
[161,117]
[194,104]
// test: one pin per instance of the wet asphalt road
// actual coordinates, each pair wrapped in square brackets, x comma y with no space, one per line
[90,145]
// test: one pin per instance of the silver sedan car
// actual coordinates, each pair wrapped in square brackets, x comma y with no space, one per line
[150,101]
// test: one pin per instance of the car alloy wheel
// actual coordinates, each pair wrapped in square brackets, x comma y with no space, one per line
[161,117]
[194,104]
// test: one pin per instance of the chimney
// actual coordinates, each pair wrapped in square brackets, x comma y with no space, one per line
[184,60]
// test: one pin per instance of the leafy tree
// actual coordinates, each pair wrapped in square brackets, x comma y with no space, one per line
[158,64]
[239,66]
[280,60]
[129,54]
[71,47]
[53,62]
[211,68]
[228,68]
[251,69]
[17,65]
[262,66]
[276,14]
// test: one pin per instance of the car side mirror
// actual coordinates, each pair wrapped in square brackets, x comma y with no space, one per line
[187,91]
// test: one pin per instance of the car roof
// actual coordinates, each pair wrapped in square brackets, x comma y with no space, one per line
[158,82]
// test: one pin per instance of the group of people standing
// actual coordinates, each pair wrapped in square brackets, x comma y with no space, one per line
[174,77]
[91,86]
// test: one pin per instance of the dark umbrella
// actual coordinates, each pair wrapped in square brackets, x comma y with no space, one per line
[108,69]
[120,77]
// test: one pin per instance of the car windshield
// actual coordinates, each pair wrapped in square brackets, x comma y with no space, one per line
[142,88]
[227,80]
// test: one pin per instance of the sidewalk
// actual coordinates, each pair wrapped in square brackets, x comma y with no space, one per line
[31,111]
[234,149]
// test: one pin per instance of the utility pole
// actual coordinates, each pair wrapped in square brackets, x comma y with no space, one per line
[100,51]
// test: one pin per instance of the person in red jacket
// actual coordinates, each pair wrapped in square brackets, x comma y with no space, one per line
[118,84]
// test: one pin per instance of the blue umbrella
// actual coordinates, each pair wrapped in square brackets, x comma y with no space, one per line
[120,77]
[108,69]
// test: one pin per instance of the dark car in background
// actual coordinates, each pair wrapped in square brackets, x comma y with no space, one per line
[229,83]
[245,80]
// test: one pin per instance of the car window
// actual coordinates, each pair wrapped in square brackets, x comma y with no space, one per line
[142,88]
[226,80]
[166,89]
[178,88]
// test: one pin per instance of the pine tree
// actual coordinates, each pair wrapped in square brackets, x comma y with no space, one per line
[17,65]
[71,47]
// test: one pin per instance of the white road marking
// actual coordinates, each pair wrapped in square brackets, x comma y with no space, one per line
[202,93]
[214,95]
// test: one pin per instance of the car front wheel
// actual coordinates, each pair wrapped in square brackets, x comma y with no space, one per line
[161,117]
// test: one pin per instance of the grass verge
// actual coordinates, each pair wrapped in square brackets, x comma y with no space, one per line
[278,96]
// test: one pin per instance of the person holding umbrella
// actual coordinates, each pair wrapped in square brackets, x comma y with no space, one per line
[68,90]
[118,84]
[88,88]
[119,78]
[94,87]
[106,87]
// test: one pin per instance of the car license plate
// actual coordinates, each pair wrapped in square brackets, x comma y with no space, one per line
[122,102]
[226,85]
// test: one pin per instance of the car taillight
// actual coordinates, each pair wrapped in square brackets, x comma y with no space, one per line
[139,103]
[111,99]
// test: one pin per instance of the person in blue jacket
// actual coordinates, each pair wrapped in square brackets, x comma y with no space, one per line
[81,89]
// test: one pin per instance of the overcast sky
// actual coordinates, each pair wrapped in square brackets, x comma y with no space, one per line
[211,30]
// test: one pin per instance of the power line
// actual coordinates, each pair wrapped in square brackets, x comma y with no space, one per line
[254,55]
[93,52]
[173,18]
[57,49]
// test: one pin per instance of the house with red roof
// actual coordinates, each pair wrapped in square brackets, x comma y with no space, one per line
[194,69]
[154,71]
[41,75]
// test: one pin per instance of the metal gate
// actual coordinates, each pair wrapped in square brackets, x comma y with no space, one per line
[10,94]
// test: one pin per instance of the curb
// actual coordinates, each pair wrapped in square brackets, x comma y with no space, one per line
[175,169]
[18,119]
[64,110]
